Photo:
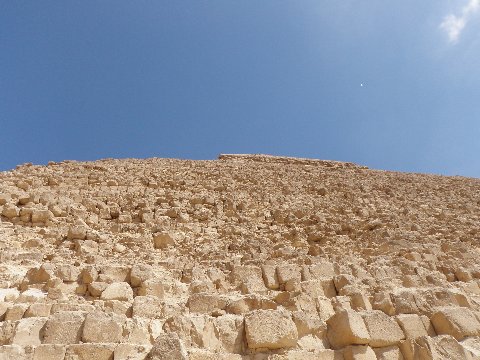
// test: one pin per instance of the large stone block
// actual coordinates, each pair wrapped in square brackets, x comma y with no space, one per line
[412,325]
[270,329]
[29,331]
[168,346]
[149,307]
[456,321]
[117,291]
[131,352]
[388,353]
[359,352]
[90,352]
[383,330]
[206,303]
[249,279]
[102,328]
[347,328]
[49,352]
[64,328]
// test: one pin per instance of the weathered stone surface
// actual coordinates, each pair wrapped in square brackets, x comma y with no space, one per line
[117,291]
[347,328]
[270,329]
[102,328]
[383,330]
[457,322]
[168,347]
[64,328]
[250,256]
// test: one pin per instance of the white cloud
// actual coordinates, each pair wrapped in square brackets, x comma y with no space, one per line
[454,24]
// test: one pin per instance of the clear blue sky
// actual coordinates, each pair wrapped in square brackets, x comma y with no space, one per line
[191,79]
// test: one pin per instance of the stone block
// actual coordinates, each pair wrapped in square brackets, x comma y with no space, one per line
[149,307]
[15,352]
[29,331]
[163,240]
[456,321]
[388,353]
[168,346]
[270,329]
[152,287]
[206,303]
[140,273]
[64,328]
[90,352]
[38,310]
[49,352]
[359,352]
[270,277]
[383,330]
[412,325]
[118,291]
[347,328]
[7,331]
[102,328]
[131,352]
[248,279]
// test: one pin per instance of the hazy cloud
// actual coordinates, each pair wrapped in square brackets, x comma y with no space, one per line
[454,24]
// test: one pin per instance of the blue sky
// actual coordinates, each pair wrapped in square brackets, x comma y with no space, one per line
[191,79]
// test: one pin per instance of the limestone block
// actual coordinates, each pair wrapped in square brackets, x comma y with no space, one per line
[249,279]
[319,287]
[49,352]
[456,321]
[308,323]
[41,216]
[168,346]
[162,240]
[382,301]
[136,331]
[248,303]
[131,352]
[15,312]
[10,211]
[102,328]
[7,331]
[388,353]
[383,330]
[88,275]
[31,296]
[270,329]
[140,273]
[152,287]
[318,271]
[77,232]
[118,291]
[439,347]
[90,351]
[112,273]
[67,273]
[3,309]
[347,328]
[29,331]
[64,328]
[324,308]
[96,288]
[38,310]
[149,307]
[15,352]
[231,332]
[359,352]
[412,325]
[270,277]
[9,294]
[206,303]
[404,302]
[289,274]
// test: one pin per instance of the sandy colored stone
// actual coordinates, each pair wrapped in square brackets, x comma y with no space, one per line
[347,328]
[117,291]
[270,329]
[383,329]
